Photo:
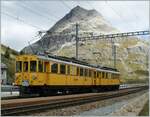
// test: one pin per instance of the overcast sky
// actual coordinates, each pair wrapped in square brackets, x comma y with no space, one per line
[20,20]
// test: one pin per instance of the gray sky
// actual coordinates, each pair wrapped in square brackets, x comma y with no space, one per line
[20,20]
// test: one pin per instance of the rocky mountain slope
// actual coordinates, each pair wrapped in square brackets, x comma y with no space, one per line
[63,31]
[132,53]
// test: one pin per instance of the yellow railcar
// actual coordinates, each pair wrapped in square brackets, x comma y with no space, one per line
[37,74]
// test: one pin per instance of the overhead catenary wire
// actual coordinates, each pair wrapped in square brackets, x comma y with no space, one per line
[47,10]
[116,12]
[35,12]
[21,20]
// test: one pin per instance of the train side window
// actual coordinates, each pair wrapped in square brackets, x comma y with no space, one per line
[78,71]
[68,69]
[54,68]
[114,76]
[90,73]
[97,74]
[102,74]
[85,72]
[18,66]
[40,66]
[33,66]
[81,71]
[109,75]
[94,74]
[106,75]
[62,69]
[25,66]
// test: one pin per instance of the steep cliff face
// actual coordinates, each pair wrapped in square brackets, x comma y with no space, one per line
[132,53]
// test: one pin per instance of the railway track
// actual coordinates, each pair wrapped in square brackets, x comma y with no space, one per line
[21,106]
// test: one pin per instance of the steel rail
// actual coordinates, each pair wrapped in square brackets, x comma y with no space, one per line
[68,102]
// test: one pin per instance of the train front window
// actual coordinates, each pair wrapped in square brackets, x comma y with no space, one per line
[25,66]
[33,66]
[18,66]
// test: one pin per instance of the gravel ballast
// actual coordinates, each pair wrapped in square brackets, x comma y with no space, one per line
[78,110]
[133,108]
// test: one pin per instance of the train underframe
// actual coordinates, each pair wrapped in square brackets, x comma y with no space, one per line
[57,90]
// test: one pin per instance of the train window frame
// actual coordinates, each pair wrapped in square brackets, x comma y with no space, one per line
[62,70]
[35,66]
[40,66]
[56,68]
[25,67]
[20,66]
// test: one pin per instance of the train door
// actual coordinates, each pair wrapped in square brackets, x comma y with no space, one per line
[47,71]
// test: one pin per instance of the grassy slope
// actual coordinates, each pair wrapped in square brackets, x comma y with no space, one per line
[10,62]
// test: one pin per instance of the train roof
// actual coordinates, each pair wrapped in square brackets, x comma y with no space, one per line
[74,61]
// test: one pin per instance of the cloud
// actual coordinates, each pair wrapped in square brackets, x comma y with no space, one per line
[17,35]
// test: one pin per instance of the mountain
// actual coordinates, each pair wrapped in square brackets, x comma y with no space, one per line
[132,53]
[88,20]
